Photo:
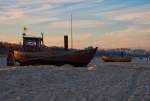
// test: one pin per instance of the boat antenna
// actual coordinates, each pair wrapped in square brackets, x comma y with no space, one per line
[71,34]
[42,34]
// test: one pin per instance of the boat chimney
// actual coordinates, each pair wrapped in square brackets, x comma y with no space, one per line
[66,42]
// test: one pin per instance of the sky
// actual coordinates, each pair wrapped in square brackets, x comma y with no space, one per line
[102,23]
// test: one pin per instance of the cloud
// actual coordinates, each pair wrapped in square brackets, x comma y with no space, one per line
[82,35]
[117,23]
[78,24]
[137,15]
[134,37]
[79,39]
[36,4]
[33,20]
[27,12]
[12,15]
[147,30]
[14,9]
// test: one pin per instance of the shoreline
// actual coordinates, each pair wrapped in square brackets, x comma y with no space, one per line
[98,82]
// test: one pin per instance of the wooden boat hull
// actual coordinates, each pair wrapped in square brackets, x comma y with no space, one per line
[75,58]
[115,59]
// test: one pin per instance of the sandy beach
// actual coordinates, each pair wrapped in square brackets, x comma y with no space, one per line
[98,82]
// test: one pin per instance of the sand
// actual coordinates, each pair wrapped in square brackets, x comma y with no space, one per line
[98,82]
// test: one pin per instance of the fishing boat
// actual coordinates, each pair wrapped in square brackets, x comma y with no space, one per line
[115,59]
[34,52]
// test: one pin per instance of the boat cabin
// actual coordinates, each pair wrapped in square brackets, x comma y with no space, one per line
[32,43]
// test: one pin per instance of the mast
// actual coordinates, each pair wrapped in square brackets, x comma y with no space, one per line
[71,34]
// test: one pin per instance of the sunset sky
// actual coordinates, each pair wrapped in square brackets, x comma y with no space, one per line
[102,23]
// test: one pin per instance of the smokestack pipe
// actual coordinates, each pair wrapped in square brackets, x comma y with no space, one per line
[66,42]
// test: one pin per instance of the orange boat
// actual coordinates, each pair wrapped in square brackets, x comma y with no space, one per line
[115,59]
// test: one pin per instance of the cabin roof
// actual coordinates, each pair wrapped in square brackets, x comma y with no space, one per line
[32,38]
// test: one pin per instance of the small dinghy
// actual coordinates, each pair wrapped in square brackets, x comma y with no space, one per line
[115,59]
